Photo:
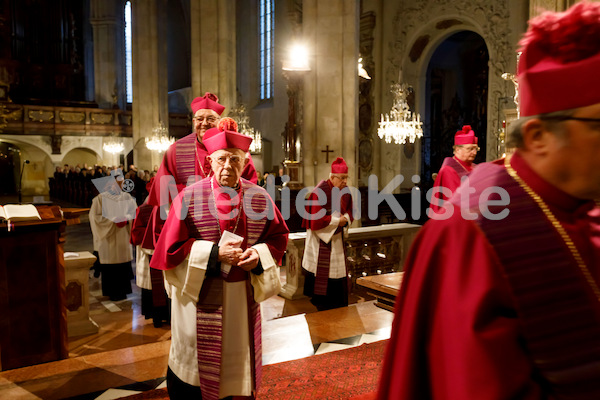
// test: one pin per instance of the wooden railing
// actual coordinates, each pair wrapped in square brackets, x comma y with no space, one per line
[370,250]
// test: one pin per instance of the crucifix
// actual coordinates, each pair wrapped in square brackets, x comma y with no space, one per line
[327,151]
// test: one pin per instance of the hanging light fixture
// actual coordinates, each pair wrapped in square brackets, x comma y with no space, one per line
[113,147]
[400,124]
[160,140]
[241,117]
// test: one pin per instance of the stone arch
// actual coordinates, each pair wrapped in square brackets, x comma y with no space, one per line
[40,167]
[417,35]
[456,77]
[86,156]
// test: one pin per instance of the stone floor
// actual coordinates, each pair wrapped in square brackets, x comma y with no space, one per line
[129,354]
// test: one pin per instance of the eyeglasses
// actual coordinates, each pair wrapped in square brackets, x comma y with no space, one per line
[340,177]
[567,118]
[233,160]
[210,120]
[470,149]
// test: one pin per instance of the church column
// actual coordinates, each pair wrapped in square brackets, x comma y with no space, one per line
[149,60]
[214,50]
[106,18]
[536,7]
[330,31]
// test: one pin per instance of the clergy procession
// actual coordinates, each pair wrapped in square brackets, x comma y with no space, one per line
[449,251]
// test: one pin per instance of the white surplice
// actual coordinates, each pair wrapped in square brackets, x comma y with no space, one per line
[337,260]
[110,241]
[183,285]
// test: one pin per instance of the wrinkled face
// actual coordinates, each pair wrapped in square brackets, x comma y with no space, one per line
[228,165]
[466,152]
[203,120]
[575,154]
[340,181]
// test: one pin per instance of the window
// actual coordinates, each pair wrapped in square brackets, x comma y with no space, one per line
[128,69]
[265,27]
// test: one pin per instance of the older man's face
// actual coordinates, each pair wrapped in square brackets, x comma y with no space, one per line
[203,120]
[340,181]
[228,165]
[466,152]
[575,158]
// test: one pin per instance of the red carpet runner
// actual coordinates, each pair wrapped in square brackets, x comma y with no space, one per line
[339,374]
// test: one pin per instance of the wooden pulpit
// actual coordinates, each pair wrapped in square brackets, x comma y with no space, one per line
[33,319]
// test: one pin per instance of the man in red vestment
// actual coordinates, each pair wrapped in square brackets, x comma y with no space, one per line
[186,158]
[184,162]
[455,167]
[220,248]
[502,299]
[324,257]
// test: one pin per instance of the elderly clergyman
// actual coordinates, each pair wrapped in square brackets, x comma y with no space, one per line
[509,308]
[221,236]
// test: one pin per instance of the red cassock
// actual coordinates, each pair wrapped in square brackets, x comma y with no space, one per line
[185,159]
[172,249]
[458,328]
[449,176]
[207,340]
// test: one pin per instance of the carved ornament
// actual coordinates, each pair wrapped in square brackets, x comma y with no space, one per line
[102,118]
[72,117]
[41,115]
[488,18]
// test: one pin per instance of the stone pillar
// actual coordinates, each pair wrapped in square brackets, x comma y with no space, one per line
[107,20]
[536,7]
[214,50]
[149,56]
[331,88]
[77,276]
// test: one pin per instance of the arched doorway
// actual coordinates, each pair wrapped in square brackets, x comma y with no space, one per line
[81,157]
[457,91]
[10,168]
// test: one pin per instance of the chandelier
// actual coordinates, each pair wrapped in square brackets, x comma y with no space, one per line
[113,147]
[400,124]
[160,140]
[240,115]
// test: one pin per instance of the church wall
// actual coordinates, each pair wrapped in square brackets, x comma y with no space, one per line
[330,88]
[40,167]
[267,116]
[82,157]
[149,57]
[411,37]
[107,24]
[178,44]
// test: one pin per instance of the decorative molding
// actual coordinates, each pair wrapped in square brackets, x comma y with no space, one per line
[102,118]
[416,32]
[125,119]
[366,100]
[71,117]
[40,115]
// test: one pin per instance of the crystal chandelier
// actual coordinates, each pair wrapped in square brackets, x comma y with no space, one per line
[160,140]
[113,147]
[240,115]
[400,124]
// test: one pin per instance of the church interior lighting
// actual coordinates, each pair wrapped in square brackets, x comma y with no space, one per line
[160,140]
[241,116]
[113,147]
[400,124]
[297,59]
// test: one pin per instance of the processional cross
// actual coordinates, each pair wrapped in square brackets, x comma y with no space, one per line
[327,151]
